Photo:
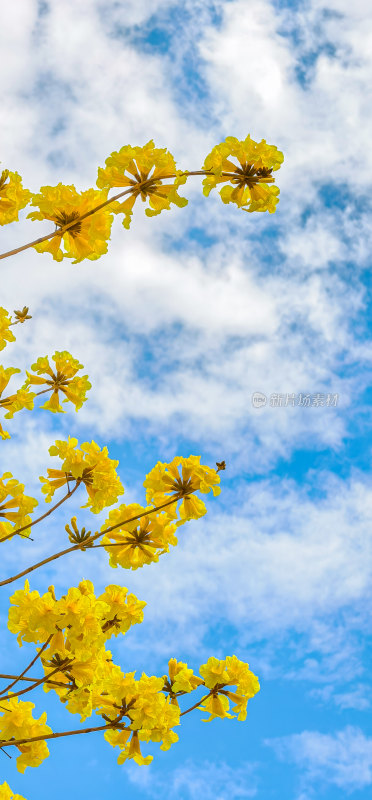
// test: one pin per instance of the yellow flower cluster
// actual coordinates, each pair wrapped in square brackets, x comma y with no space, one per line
[86,238]
[17,722]
[229,672]
[250,178]
[88,465]
[5,334]
[7,794]
[16,510]
[165,480]
[12,196]
[140,541]
[147,166]
[90,621]
[61,379]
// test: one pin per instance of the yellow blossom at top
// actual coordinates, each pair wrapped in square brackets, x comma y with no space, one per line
[250,178]
[138,542]
[165,480]
[17,509]
[12,196]
[142,169]
[87,238]
[60,379]
[7,794]
[88,465]
[5,334]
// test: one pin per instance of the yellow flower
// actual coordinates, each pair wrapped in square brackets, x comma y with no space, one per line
[164,481]
[24,505]
[7,794]
[249,178]
[5,376]
[142,541]
[5,334]
[13,402]
[16,722]
[89,465]
[124,610]
[217,675]
[12,196]
[147,167]
[87,238]
[61,379]
[181,678]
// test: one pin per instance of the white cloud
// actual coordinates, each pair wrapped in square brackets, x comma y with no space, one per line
[212,781]
[343,759]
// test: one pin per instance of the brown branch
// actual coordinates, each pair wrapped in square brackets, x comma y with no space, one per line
[45,645]
[60,668]
[16,742]
[19,530]
[31,680]
[63,229]
[85,542]
[197,704]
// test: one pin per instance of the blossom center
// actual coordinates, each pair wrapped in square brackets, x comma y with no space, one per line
[249,174]
[62,219]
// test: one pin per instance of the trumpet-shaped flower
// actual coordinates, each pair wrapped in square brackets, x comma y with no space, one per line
[61,379]
[181,677]
[143,170]
[16,722]
[88,465]
[16,510]
[139,542]
[12,196]
[165,480]
[5,334]
[6,402]
[86,238]
[217,675]
[250,178]
[124,611]
[16,402]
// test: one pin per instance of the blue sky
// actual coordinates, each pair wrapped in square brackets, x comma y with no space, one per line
[185,317]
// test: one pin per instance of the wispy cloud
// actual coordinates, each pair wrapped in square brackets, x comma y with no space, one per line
[212,781]
[343,759]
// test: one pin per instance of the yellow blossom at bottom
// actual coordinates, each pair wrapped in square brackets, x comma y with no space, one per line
[7,794]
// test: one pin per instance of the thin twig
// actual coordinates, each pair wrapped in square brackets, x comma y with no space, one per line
[64,228]
[31,680]
[41,680]
[197,704]
[86,541]
[17,742]
[30,524]
[45,645]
